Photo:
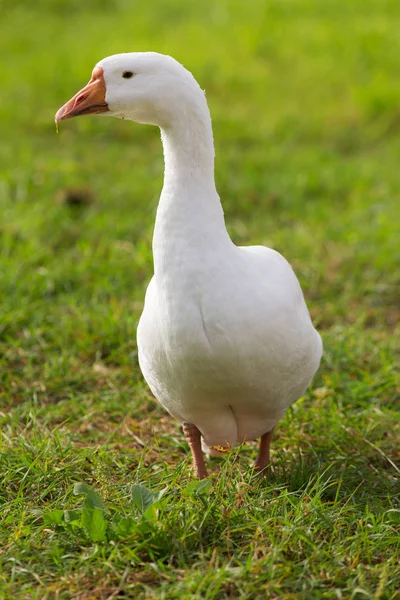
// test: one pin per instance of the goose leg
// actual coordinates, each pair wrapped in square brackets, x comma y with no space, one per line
[193,437]
[262,460]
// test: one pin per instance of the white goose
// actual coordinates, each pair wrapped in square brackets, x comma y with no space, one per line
[225,340]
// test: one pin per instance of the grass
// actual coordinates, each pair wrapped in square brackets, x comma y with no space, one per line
[305,104]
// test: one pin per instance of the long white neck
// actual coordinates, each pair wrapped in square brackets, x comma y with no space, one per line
[190,220]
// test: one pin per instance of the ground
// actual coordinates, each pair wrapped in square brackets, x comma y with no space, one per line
[305,98]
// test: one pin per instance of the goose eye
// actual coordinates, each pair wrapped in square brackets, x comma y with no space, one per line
[127,74]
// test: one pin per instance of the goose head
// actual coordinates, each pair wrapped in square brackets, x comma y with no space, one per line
[145,87]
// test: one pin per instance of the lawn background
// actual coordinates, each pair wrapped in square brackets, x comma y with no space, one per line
[305,99]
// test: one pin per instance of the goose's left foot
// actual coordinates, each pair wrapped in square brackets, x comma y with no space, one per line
[193,437]
[262,460]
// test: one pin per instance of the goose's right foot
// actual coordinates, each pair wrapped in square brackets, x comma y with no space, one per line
[193,437]
[262,460]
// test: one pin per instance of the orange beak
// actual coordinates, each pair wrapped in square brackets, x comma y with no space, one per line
[91,100]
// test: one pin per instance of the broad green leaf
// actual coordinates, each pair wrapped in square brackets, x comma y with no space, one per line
[197,488]
[54,517]
[94,522]
[142,497]
[150,514]
[92,499]
[71,515]
[123,526]
[203,487]
[144,527]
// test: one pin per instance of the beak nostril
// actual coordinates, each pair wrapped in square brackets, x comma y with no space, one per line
[80,98]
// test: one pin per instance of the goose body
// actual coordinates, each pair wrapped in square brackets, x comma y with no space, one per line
[225,340]
[227,343]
